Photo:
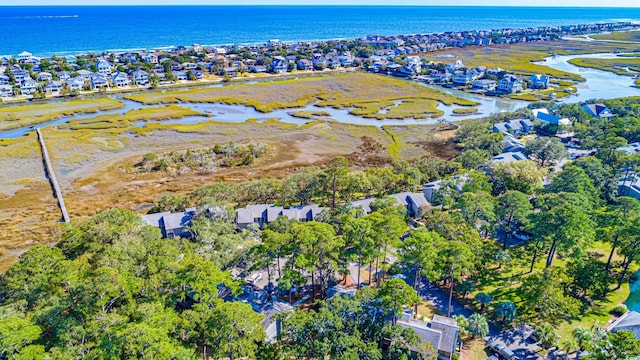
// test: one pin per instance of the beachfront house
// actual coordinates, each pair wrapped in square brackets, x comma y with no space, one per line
[29,86]
[4,60]
[598,111]
[263,214]
[24,56]
[150,58]
[279,65]
[510,84]
[484,85]
[103,67]
[141,78]
[99,81]
[538,81]
[120,79]
[514,127]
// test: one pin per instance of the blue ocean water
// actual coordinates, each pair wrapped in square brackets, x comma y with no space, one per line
[62,30]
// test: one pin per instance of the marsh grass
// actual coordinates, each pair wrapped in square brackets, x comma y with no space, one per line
[617,66]
[24,115]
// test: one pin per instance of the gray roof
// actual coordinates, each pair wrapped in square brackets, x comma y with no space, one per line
[630,148]
[176,221]
[365,204]
[405,198]
[508,157]
[426,334]
[449,329]
[629,321]
[154,219]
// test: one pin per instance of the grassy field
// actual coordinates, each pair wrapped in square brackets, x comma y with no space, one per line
[303,114]
[367,93]
[503,284]
[465,110]
[618,66]
[632,36]
[24,115]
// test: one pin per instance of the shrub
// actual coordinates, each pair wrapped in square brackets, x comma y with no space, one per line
[619,310]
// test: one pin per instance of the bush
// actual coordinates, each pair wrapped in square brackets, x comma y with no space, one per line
[619,310]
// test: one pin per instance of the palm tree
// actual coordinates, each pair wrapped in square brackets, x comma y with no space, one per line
[506,310]
[463,324]
[465,287]
[582,336]
[546,335]
[568,346]
[484,299]
[478,326]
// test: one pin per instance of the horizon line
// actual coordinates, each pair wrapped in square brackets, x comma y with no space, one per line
[327,5]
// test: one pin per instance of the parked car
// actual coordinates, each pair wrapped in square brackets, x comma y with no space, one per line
[254,278]
[502,351]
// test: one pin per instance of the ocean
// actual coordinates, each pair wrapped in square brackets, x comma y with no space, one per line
[60,30]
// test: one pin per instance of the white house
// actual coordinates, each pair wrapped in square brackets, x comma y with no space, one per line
[279,65]
[120,79]
[180,76]
[45,76]
[86,74]
[24,56]
[141,78]
[99,81]
[510,84]
[150,58]
[103,67]
[53,86]
[29,86]
[6,91]
[76,83]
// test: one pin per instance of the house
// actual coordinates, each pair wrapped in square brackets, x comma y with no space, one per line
[86,74]
[544,118]
[258,69]
[319,61]
[510,84]
[229,71]
[21,75]
[199,74]
[442,333]
[140,78]
[172,225]
[538,81]
[189,66]
[53,86]
[45,76]
[76,83]
[70,59]
[150,58]
[433,190]
[630,149]
[24,56]
[598,110]
[5,80]
[64,75]
[462,78]
[279,65]
[180,76]
[99,81]
[629,186]
[4,60]
[511,144]
[6,91]
[120,79]
[484,84]
[176,66]
[103,67]
[514,127]
[630,321]
[158,69]
[508,157]
[29,86]
[414,203]
[264,214]
[304,64]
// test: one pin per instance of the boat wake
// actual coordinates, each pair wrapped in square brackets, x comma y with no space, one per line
[46,17]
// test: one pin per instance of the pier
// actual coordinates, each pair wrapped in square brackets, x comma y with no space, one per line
[52,177]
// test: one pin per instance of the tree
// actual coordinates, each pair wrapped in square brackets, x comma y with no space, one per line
[588,277]
[16,333]
[543,296]
[395,294]
[563,221]
[476,207]
[502,257]
[483,299]
[546,335]
[465,287]
[524,176]
[512,209]
[463,324]
[336,168]
[418,252]
[573,180]
[472,159]
[506,311]
[235,330]
[545,149]
[478,326]
[582,336]
[358,235]
[172,202]
[568,345]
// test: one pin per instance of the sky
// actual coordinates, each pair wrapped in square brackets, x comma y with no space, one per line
[567,3]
